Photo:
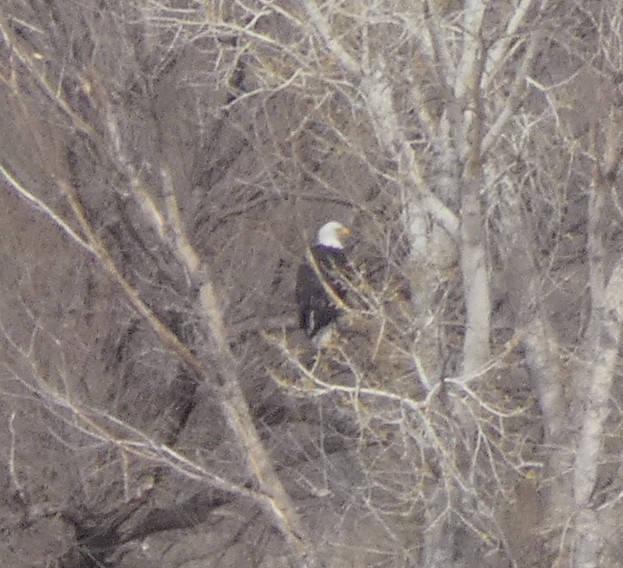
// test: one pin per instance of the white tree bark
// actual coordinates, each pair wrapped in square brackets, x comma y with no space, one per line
[604,355]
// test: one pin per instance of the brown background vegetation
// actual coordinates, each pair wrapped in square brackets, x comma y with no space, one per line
[164,167]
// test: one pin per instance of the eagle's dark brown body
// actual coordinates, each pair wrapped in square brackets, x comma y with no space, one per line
[316,307]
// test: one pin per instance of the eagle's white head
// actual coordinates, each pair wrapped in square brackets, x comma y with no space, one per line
[331,235]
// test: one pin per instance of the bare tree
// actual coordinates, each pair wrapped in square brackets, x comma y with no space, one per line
[167,164]
[102,187]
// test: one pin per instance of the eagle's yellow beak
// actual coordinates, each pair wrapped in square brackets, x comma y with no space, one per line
[344,231]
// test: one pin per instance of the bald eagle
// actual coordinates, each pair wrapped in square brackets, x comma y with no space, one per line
[320,280]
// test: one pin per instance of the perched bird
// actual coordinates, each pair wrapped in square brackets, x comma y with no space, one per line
[320,282]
